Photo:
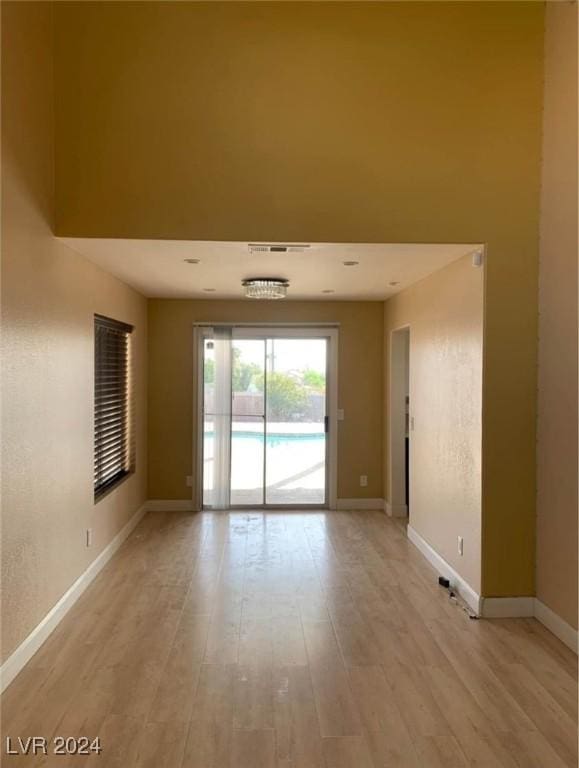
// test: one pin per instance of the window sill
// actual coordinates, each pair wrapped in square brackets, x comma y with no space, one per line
[112,486]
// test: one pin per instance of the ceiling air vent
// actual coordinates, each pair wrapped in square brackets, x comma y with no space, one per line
[276,248]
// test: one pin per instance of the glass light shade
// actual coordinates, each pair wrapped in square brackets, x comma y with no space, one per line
[266,288]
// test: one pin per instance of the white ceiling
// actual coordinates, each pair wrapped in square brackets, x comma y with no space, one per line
[157,268]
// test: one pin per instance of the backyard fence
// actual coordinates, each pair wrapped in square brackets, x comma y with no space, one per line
[250,404]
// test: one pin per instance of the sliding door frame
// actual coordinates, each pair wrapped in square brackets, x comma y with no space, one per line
[330,332]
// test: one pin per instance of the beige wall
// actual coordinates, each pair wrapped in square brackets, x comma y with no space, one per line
[171,384]
[325,121]
[372,122]
[557,405]
[445,315]
[49,295]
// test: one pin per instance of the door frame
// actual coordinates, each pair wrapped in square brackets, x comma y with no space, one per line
[399,365]
[328,331]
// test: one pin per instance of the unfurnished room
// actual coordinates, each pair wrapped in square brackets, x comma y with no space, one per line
[289,385]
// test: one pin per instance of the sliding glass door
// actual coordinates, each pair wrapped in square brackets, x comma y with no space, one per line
[295,431]
[265,419]
[248,423]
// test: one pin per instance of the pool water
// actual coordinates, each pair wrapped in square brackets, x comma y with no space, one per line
[295,467]
[273,438]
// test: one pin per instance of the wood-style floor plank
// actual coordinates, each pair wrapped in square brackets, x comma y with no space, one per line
[335,705]
[290,640]
[161,745]
[296,720]
[347,751]
[253,748]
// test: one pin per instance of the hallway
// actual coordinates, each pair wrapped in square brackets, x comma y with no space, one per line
[290,640]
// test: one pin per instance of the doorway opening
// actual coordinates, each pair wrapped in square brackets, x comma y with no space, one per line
[400,424]
[266,404]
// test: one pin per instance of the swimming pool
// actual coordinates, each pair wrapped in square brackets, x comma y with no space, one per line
[291,464]
[272,437]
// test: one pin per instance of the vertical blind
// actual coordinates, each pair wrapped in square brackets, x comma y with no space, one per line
[113,438]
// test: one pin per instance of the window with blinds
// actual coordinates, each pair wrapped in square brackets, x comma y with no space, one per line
[113,408]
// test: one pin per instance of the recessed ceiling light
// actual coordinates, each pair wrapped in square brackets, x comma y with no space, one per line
[328,290]
[350,263]
[209,290]
[192,261]
[394,282]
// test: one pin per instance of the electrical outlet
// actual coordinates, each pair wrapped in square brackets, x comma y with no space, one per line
[363,480]
[460,545]
[189,481]
[340,414]
[89,537]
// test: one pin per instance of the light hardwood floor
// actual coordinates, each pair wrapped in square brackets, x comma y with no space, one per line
[291,640]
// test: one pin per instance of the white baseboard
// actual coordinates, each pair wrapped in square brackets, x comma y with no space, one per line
[507,607]
[497,607]
[169,505]
[530,607]
[26,650]
[395,510]
[186,505]
[374,504]
[458,584]
[555,624]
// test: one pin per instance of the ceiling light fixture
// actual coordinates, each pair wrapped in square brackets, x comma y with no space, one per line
[192,261]
[350,263]
[265,287]
[393,282]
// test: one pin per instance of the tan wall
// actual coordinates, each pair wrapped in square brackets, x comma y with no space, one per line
[445,315]
[49,295]
[171,385]
[324,121]
[557,404]
[378,122]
